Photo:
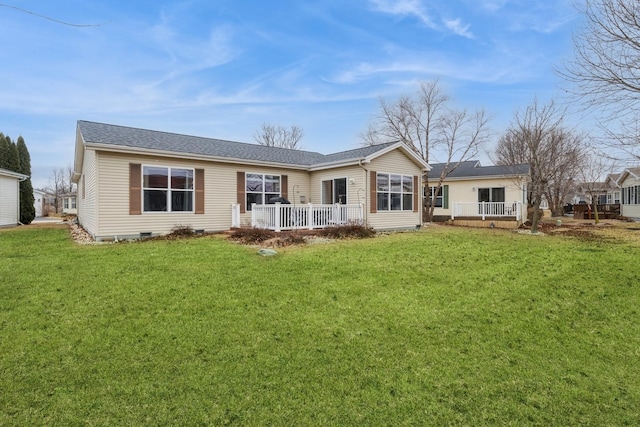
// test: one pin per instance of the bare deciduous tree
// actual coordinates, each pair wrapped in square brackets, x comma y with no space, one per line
[536,136]
[279,136]
[60,183]
[569,161]
[605,70]
[432,128]
[592,176]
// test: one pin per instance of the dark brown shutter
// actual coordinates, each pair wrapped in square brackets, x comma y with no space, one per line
[199,191]
[416,194]
[241,199]
[284,186]
[373,185]
[135,189]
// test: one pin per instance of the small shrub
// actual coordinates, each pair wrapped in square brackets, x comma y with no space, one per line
[181,231]
[252,235]
[263,236]
[291,238]
[349,231]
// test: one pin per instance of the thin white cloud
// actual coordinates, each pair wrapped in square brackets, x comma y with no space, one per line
[190,53]
[404,8]
[458,27]
[416,9]
[494,69]
[492,5]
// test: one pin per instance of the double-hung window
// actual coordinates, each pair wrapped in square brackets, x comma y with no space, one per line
[167,189]
[260,188]
[394,192]
[430,195]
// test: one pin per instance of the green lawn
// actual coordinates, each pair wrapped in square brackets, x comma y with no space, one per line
[446,326]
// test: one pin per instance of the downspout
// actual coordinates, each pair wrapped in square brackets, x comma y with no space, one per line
[367,208]
[19,181]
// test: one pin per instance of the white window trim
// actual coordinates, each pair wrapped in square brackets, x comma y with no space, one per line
[264,201]
[440,196]
[168,211]
[504,189]
[402,193]
[333,179]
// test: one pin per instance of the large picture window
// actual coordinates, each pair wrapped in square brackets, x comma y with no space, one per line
[167,189]
[495,194]
[631,195]
[394,192]
[260,188]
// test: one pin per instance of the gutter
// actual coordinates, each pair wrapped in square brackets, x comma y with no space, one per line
[366,193]
[191,156]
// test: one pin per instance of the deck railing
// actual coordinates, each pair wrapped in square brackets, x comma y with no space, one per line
[280,217]
[487,209]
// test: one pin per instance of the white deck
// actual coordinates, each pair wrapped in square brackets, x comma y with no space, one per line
[279,217]
[483,210]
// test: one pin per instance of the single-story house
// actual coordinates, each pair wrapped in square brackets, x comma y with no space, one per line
[605,194]
[479,195]
[598,190]
[43,202]
[135,182]
[10,197]
[629,182]
[613,189]
[69,203]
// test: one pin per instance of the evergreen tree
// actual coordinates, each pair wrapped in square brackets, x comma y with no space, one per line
[13,160]
[4,152]
[27,208]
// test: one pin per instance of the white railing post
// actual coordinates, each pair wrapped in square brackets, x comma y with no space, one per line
[235,215]
[254,219]
[482,209]
[277,217]
[454,206]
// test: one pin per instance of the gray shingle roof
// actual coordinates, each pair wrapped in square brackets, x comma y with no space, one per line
[472,169]
[171,142]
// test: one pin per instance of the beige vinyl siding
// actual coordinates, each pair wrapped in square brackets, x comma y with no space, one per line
[356,186]
[395,162]
[87,215]
[295,178]
[9,201]
[220,194]
[467,191]
[630,211]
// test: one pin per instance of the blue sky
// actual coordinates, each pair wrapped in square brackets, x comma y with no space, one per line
[222,68]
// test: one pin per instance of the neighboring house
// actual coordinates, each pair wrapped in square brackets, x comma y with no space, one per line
[43,202]
[629,182]
[136,182]
[613,189]
[606,192]
[69,204]
[480,195]
[606,195]
[587,191]
[10,197]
